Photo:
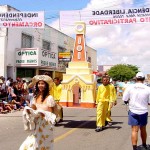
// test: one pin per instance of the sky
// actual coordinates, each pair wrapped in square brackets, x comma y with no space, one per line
[115,44]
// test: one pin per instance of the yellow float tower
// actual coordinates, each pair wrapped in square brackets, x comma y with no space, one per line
[79,84]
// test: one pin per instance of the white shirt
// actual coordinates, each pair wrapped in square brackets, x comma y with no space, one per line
[25,87]
[139,96]
[3,86]
[7,83]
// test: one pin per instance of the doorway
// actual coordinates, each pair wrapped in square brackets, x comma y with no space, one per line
[76,95]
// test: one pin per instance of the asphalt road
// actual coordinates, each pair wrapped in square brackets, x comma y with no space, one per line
[77,132]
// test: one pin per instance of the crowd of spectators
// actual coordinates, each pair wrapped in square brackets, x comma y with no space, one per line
[14,95]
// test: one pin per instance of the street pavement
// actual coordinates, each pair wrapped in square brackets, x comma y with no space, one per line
[77,132]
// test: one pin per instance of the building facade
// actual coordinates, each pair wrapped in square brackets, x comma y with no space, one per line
[103,68]
[25,52]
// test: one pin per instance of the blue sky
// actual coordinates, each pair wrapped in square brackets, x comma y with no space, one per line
[51,7]
[46,4]
[115,44]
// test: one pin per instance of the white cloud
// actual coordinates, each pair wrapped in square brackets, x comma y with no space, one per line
[69,31]
[122,43]
[55,24]
[124,59]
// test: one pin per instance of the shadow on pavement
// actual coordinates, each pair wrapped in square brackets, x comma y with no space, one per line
[85,124]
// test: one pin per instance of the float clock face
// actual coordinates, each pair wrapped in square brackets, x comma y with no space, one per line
[79,27]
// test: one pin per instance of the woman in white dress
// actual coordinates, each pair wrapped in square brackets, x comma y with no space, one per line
[40,118]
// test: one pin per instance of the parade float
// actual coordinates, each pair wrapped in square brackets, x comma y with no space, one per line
[79,83]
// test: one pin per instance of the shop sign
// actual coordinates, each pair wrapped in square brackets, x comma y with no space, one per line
[27,57]
[64,57]
[36,57]
[47,58]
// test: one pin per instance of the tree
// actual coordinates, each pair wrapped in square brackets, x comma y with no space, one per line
[122,72]
[134,68]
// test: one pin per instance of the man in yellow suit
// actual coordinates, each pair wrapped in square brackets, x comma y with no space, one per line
[57,89]
[113,98]
[104,101]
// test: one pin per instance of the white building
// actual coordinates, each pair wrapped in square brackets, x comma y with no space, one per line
[103,68]
[25,52]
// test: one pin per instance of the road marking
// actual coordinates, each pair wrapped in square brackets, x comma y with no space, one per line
[72,130]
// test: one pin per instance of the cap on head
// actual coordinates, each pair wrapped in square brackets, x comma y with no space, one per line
[140,75]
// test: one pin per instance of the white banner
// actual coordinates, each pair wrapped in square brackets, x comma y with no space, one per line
[105,17]
[22,19]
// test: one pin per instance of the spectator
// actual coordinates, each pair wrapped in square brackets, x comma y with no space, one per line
[138,96]
[2,108]
[31,91]
[8,82]
[11,93]
[24,87]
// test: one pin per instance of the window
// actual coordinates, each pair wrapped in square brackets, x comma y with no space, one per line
[89,59]
[71,52]
[46,45]
[21,72]
[61,49]
[26,41]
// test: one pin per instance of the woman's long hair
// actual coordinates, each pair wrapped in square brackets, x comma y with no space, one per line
[45,92]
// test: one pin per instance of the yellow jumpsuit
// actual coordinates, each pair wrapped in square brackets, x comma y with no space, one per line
[57,89]
[112,101]
[104,97]
[51,91]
